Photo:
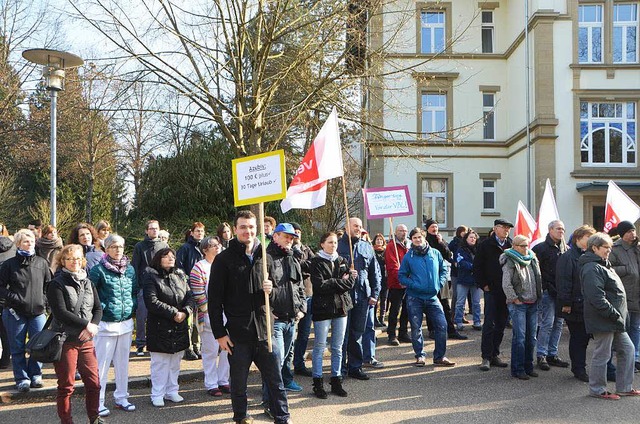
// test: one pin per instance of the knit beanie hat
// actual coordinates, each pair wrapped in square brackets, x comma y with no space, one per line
[623,227]
[429,222]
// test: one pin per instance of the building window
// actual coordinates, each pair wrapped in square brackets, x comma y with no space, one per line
[488,116]
[487,31]
[434,114]
[489,201]
[625,33]
[434,200]
[432,31]
[590,33]
[608,134]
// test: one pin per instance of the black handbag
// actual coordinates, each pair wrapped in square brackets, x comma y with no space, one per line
[46,346]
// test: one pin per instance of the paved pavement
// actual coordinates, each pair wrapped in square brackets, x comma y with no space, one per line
[399,393]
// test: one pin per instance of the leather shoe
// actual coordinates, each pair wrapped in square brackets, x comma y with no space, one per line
[358,374]
[543,364]
[555,361]
[444,362]
[457,336]
[532,374]
[393,341]
[404,338]
[497,362]
[583,376]
[305,372]
[521,376]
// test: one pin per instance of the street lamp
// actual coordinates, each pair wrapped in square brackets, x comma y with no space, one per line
[54,63]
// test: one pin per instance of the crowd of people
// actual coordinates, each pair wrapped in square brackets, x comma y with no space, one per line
[207,301]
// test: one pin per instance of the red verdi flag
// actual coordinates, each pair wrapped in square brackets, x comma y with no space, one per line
[619,207]
[322,162]
[525,224]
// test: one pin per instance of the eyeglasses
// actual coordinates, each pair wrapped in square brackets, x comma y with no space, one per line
[73,259]
[116,247]
[522,245]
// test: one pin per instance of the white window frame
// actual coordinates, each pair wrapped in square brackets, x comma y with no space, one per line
[624,26]
[487,26]
[430,47]
[629,144]
[442,223]
[493,190]
[590,26]
[429,114]
[488,115]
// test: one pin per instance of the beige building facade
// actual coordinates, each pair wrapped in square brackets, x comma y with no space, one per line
[452,100]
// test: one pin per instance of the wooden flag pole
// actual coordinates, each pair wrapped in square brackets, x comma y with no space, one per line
[265,274]
[347,226]
[393,239]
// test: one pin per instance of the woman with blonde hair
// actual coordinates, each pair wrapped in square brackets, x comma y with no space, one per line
[76,309]
[522,285]
[22,282]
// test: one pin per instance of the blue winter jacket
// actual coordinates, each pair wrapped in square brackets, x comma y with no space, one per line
[464,259]
[117,293]
[369,279]
[423,275]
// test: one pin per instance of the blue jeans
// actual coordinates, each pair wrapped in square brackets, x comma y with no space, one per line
[634,332]
[550,326]
[461,298]
[369,336]
[321,332]
[302,339]
[432,308]
[352,349]
[524,318]
[243,354]
[17,330]
[282,343]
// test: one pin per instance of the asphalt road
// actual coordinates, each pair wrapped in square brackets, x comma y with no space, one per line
[399,393]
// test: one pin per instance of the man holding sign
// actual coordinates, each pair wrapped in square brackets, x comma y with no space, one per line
[234,294]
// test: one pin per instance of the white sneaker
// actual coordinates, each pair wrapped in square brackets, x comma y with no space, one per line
[157,402]
[104,412]
[174,397]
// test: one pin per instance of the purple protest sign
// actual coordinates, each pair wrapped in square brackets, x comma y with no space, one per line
[387,202]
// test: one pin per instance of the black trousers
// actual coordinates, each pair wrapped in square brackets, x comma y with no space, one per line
[396,300]
[267,363]
[578,341]
[495,320]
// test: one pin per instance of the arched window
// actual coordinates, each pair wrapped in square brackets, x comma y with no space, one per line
[608,134]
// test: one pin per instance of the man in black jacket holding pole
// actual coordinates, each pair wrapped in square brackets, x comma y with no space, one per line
[234,293]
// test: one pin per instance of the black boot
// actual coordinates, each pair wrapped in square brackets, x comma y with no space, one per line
[336,387]
[318,388]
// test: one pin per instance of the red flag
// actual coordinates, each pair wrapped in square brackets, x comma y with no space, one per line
[525,224]
[548,212]
[619,207]
[323,161]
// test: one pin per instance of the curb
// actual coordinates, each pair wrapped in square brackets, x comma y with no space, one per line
[46,394]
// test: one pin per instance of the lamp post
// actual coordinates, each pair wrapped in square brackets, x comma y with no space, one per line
[53,63]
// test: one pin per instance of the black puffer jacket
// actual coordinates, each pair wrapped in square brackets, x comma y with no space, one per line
[548,253]
[486,265]
[331,298]
[23,281]
[232,291]
[166,294]
[569,285]
[440,246]
[287,297]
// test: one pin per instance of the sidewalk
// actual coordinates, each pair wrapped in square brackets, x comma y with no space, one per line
[138,377]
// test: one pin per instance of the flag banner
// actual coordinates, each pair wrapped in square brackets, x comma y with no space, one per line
[548,212]
[322,162]
[525,224]
[387,202]
[619,207]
